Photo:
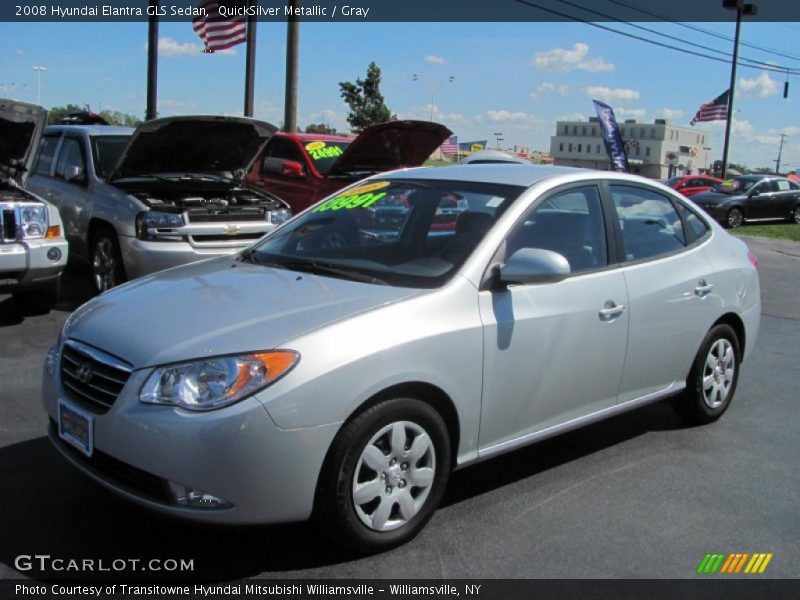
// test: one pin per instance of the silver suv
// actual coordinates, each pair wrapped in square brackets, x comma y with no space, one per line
[168,193]
[33,250]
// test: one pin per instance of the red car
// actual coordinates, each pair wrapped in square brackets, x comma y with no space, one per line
[303,168]
[689,185]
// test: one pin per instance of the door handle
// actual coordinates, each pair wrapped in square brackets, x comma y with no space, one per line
[703,288]
[611,311]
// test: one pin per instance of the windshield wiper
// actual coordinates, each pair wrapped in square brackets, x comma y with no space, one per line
[313,266]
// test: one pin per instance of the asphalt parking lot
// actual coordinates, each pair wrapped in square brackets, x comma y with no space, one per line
[638,496]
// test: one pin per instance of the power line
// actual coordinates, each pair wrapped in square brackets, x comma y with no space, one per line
[721,36]
[761,64]
[653,42]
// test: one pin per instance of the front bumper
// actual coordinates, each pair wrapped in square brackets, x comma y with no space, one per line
[25,265]
[267,474]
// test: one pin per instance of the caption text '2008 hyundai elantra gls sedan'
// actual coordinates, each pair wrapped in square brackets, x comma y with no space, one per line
[413,323]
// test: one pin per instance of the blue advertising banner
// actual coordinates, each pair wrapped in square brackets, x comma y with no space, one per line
[613,140]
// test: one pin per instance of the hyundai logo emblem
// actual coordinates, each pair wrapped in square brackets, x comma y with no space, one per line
[84,372]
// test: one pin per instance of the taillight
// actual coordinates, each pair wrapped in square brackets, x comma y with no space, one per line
[752,258]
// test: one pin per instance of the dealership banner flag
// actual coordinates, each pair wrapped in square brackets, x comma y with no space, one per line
[611,136]
[220,32]
[716,110]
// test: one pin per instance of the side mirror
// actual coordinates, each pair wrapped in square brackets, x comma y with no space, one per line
[293,168]
[755,193]
[74,174]
[534,265]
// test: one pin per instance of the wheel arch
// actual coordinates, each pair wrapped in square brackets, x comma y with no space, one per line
[736,323]
[95,225]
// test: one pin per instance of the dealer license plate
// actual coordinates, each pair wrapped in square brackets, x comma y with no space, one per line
[76,428]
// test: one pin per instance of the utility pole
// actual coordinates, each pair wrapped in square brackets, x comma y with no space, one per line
[292,59]
[152,63]
[250,64]
[780,151]
[741,9]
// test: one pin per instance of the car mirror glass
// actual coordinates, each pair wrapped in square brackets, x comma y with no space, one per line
[73,174]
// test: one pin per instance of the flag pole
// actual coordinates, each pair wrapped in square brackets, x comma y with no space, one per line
[739,9]
[152,63]
[250,64]
[292,59]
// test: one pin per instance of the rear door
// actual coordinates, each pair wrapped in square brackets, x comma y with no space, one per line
[670,284]
[554,352]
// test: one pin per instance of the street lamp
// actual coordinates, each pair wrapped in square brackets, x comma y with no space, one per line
[741,9]
[433,86]
[39,83]
[498,139]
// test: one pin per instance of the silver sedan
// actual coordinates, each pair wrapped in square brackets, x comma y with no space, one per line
[411,324]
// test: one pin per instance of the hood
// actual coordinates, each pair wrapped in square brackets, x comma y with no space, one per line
[21,128]
[218,307]
[391,145]
[193,144]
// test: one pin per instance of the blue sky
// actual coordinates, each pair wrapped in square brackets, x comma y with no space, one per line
[514,78]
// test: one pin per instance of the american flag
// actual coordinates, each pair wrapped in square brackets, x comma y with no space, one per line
[450,145]
[217,32]
[716,110]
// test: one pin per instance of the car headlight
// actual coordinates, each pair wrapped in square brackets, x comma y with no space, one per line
[152,219]
[276,217]
[210,383]
[33,220]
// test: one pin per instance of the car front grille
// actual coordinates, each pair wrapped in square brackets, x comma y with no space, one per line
[253,214]
[241,237]
[8,224]
[90,376]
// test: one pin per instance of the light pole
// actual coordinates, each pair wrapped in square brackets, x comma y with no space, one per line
[780,151]
[433,86]
[39,83]
[741,9]
[498,139]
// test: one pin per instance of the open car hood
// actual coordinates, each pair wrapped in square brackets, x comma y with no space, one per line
[21,128]
[193,144]
[390,145]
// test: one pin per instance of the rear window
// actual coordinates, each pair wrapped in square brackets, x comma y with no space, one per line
[47,148]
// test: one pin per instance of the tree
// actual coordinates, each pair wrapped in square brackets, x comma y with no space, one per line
[321,128]
[365,100]
[114,117]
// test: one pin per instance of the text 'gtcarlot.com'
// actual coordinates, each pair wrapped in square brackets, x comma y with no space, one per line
[46,562]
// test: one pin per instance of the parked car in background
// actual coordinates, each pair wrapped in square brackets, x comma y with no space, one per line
[168,193]
[33,251]
[347,380]
[303,168]
[752,198]
[492,157]
[689,185]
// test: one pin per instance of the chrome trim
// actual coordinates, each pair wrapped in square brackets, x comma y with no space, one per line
[555,430]
[99,356]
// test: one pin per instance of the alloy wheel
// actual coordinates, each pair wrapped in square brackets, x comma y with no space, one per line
[104,265]
[735,218]
[718,373]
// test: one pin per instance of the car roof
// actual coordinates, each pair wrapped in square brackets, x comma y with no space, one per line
[509,174]
[91,130]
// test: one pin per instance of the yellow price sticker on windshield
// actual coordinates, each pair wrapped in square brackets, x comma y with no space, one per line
[361,196]
[312,146]
[363,189]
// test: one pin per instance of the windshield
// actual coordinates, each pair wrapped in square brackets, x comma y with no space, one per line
[736,186]
[107,149]
[325,153]
[395,232]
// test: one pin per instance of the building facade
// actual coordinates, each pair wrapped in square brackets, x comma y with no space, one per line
[658,150]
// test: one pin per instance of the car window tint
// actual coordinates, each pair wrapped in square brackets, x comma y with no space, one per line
[649,222]
[47,148]
[107,150]
[71,155]
[697,228]
[285,149]
[570,223]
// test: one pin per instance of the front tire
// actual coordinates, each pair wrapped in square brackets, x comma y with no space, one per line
[713,378]
[795,217]
[734,218]
[106,262]
[384,475]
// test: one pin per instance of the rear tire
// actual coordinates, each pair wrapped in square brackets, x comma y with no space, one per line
[106,261]
[384,476]
[795,217]
[713,378]
[41,300]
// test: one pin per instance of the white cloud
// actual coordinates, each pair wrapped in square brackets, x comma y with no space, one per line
[107,79]
[632,113]
[762,86]
[266,110]
[168,46]
[172,106]
[610,95]
[547,87]
[576,116]
[423,113]
[560,60]
[19,51]
[435,59]
[670,113]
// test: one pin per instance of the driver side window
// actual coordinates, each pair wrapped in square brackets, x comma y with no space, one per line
[71,156]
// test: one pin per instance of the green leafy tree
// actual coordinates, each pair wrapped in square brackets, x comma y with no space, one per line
[59,112]
[365,100]
[321,128]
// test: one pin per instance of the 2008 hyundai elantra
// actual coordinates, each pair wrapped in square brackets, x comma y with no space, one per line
[414,323]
